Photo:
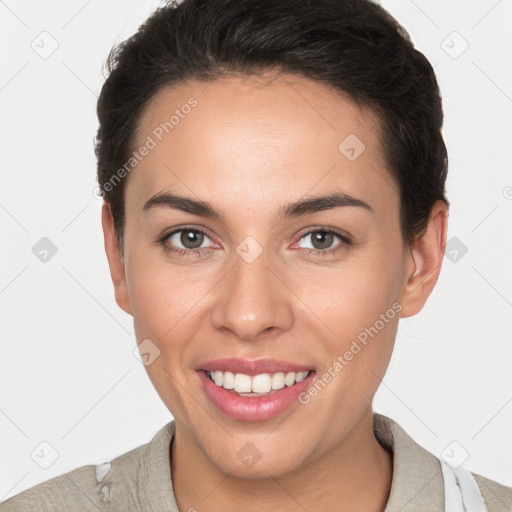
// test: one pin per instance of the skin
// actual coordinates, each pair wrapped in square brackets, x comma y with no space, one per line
[249,147]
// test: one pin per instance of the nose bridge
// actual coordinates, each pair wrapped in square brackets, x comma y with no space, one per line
[251,298]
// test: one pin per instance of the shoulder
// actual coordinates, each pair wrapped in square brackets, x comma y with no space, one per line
[73,491]
[497,497]
[92,487]
[418,483]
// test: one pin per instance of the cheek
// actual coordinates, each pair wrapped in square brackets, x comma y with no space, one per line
[167,301]
[156,295]
[161,304]
[353,296]
[361,311]
[359,305]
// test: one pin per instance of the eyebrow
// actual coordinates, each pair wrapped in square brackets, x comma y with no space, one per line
[295,209]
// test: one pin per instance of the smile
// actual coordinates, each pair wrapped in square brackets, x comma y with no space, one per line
[253,390]
[257,385]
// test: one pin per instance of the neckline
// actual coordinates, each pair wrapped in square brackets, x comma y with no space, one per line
[416,478]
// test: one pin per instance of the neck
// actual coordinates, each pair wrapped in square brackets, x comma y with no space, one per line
[353,476]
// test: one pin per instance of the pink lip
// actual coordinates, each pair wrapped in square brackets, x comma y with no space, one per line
[252,367]
[258,408]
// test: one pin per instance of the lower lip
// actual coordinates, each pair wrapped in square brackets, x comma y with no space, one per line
[257,408]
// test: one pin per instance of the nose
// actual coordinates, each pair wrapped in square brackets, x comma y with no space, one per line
[253,302]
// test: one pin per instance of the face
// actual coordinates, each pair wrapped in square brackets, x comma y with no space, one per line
[253,274]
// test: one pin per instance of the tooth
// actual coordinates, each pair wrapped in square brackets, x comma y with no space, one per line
[289,379]
[242,383]
[301,376]
[228,381]
[278,380]
[261,383]
[217,378]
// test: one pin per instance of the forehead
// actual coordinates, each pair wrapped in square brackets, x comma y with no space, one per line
[258,138]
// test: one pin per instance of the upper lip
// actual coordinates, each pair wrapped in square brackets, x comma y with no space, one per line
[253,366]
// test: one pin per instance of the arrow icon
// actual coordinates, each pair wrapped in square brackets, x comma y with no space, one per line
[146,352]
[351,147]
[44,44]
[455,249]
[454,45]
[44,455]
[44,250]
[249,249]
[249,455]
[454,454]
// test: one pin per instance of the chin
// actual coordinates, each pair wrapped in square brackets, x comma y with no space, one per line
[258,459]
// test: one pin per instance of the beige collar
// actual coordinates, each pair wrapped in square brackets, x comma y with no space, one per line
[417,483]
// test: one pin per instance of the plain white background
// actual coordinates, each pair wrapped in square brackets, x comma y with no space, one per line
[68,373]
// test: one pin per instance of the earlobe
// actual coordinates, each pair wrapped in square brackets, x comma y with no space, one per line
[427,252]
[115,260]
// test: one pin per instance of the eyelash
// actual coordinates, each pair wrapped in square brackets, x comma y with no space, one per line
[321,253]
[183,252]
[345,242]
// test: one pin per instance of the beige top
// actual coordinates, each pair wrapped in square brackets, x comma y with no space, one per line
[141,480]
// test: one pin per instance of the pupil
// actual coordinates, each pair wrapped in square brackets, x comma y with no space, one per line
[324,238]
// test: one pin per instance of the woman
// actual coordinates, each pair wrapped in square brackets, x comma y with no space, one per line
[273,177]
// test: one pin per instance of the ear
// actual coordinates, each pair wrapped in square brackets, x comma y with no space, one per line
[426,252]
[115,261]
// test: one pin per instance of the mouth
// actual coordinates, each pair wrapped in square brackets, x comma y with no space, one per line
[263,384]
[253,396]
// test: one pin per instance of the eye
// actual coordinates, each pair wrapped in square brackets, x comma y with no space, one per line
[322,241]
[188,241]
[185,241]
